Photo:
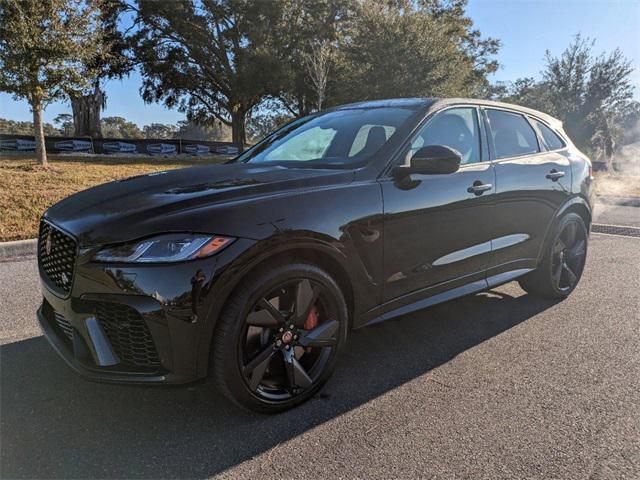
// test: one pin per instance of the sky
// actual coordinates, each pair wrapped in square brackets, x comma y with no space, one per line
[526,29]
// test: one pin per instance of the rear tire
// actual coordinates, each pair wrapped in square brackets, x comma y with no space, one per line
[269,352]
[563,261]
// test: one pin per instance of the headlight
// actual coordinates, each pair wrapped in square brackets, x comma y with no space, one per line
[164,248]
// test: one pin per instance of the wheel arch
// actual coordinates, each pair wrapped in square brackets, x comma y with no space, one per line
[321,258]
[577,205]
[313,250]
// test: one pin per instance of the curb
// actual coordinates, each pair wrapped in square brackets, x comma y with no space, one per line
[622,201]
[18,250]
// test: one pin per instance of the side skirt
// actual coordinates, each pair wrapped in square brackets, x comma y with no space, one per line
[506,277]
[473,287]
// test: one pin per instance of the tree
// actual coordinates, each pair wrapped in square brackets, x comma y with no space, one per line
[318,63]
[605,140]
[86,109]
[216,131]
[263,121]
[159,130]
[212,60]
[43,49]
[408,48]
[591,94]
[64,121]
[479,50]
[109,61]
[118,127]
[13,127]
[307,25]
[588,92]
[630,121]
[529,93]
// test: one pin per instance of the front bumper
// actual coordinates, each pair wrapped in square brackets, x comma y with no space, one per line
[140,324]
[76,355]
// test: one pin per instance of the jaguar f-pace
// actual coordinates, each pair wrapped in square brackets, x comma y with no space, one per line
[253,272]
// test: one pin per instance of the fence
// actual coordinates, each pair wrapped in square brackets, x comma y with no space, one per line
[148,146]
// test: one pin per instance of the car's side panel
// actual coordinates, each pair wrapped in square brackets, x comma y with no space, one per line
[582,181]
[526,201]
[346,217]
[437,233]
[529,191]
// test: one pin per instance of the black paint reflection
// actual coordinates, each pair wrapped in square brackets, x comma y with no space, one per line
[196,289]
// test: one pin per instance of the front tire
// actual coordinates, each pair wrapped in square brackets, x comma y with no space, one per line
[563,261]
[279,336]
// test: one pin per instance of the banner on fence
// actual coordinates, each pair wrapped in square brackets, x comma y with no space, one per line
[129,146]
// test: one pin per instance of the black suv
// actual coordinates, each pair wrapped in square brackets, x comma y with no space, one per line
[254,271]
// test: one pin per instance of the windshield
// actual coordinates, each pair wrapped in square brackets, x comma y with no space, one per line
[340,137]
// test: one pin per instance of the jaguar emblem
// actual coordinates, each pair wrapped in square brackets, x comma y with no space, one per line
[48,244]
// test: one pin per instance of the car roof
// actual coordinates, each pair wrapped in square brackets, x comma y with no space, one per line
[389,102]
[442,102]
[437,103]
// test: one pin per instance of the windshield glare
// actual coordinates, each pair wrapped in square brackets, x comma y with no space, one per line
[341,137]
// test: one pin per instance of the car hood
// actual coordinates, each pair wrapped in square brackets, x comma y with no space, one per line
[181,200]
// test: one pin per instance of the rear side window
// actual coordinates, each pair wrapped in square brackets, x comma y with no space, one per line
[511,134]
[550,138]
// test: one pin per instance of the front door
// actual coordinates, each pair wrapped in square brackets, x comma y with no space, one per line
[438,228]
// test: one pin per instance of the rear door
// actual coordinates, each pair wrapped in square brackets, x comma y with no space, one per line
[533,180]
[437,229]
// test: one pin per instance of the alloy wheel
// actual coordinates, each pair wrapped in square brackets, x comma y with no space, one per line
[288,338]
[568,256]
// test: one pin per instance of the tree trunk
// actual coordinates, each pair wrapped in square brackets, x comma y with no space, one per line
[238,131]
[608,161]
[41,151]
[86,113]
[303,109]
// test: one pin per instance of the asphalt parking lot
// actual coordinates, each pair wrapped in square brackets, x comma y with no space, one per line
[623,213]
[494,385]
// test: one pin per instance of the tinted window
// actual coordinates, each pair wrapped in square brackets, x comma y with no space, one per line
[456,128]
[360,142]
[336,138]
[511,134]
[551,139]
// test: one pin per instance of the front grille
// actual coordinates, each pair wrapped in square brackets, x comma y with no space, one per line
[128,333]
[56,257]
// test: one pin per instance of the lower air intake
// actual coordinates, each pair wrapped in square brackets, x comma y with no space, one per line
[128,334]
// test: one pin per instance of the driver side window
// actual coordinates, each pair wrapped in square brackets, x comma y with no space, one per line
[456,128]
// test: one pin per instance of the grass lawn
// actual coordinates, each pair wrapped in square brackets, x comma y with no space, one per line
[27,190]
[617,184]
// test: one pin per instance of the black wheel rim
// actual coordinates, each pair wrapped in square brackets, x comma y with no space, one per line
[568,256]
[288,339]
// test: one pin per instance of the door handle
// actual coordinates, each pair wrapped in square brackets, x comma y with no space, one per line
[479,188]
[554,175]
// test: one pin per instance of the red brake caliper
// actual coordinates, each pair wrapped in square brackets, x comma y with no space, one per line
[311,322]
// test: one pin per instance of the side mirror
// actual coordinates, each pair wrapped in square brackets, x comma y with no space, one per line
[431,160]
